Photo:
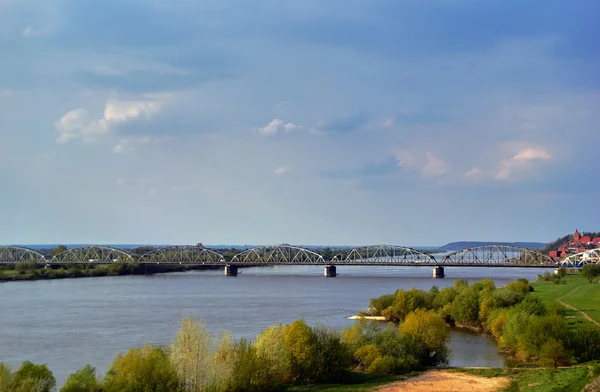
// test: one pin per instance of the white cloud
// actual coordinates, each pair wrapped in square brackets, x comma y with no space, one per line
[521,160]
[435,167]
[277,126]
[281,170]
[474,174]
[76,124]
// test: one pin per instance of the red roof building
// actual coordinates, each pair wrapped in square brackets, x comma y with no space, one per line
[585,239]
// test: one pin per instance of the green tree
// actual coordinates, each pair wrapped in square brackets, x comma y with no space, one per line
[366,355]
[590,271]
[332,357]
[465,308]
[83,380]
[190,354]
[553,354]
[428,328]
[5,377]
[33,378]
[270,343]
[57,250]
[300,345]
[585,342]
[145,369]
[377,305]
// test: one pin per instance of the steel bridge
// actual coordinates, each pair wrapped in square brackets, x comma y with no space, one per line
[578,260]
[286,254]
[15,254]
[498,256]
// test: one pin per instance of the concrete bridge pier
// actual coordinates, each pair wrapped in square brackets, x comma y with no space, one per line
[329,271]
[231,270]
[438,271]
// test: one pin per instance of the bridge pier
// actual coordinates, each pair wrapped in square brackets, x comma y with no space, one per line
[438,271]
[231,270]
[329,271]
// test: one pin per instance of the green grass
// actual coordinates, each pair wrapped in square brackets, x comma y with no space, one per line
[547,380]
[577,292]
[356,383]
[539,380]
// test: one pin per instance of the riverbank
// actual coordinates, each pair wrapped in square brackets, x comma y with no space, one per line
[90,271]
[565,379]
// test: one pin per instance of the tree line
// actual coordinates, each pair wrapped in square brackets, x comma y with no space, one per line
[281,355]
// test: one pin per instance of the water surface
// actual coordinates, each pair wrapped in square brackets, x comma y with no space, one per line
[73,322]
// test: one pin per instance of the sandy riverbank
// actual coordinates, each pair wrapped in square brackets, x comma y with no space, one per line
[446,381]
[358,317]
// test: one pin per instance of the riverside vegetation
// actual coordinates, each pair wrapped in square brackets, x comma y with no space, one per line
[30,270]
[281,357]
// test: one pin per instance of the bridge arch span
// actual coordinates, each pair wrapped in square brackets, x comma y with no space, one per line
[182,254]
[278,254]
[95,254]
[590,256]
[382,255]
[498,255]
[16,254]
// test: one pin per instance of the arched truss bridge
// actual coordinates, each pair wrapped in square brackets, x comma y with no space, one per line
[498,255]
[578,260]
[383,255]
[277,254]
[182,254]
[92,255]
[15,254]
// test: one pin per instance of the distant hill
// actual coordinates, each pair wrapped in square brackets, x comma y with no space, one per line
[451,246]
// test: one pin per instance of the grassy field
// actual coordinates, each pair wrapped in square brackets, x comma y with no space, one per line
[577,292]
[540,380]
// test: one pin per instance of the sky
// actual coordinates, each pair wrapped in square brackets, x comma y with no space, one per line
[323,122]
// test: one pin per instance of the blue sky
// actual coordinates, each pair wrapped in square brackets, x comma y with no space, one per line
[339,122]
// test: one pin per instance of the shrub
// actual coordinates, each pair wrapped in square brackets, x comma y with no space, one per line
[83,380]
[142,370]
[384,365]
[31,377]
[465,308]
[366,355]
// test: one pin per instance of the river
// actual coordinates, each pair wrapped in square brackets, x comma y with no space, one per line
[73,322]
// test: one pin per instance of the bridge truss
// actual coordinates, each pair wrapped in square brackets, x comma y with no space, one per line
[498,255]
[15,254]
[182,254]
[278,254]
[92,255]
[383,255]
[578,260]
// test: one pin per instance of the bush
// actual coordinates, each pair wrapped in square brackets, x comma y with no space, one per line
[584,342]
[384,365]
[83,380]
[31,377]
[142,370]
[23,266]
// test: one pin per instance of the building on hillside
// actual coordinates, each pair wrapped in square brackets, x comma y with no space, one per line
[578,244]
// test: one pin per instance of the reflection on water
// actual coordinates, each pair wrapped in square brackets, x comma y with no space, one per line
[69,323]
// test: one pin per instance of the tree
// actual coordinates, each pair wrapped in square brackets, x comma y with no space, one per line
[465,308]
[83,380]
[590,271]
[300,345]
[57,250]
[142,370]
[428,328]
[5,377]
[32,377]
[553,354]
[270,343]
[190,354]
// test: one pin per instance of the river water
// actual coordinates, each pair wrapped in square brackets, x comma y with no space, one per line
[73,322]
